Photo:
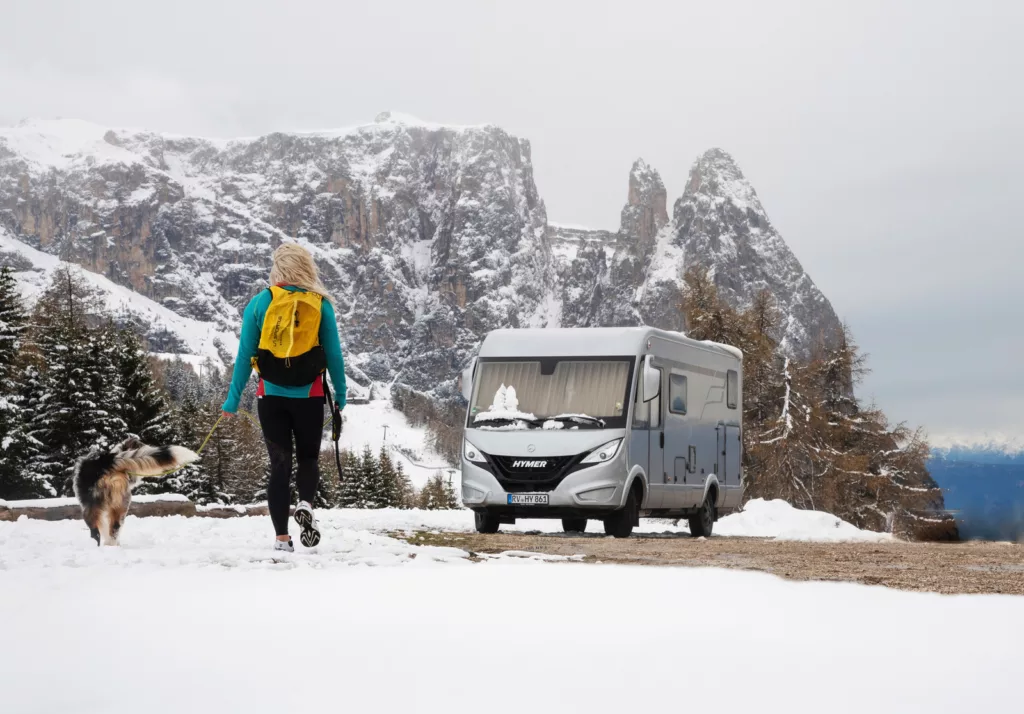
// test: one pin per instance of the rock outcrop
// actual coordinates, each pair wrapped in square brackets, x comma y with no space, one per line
[427,235]
[634,276]
[719,223]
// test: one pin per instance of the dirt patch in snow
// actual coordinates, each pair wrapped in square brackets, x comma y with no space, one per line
[951,568]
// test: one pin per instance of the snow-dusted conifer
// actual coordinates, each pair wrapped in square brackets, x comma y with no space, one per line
[79,391]
[390,489]
[15,444]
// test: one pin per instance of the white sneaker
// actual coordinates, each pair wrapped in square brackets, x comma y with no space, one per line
[310,535]
[285,545]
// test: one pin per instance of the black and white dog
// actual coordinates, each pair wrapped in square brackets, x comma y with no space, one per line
[103,482]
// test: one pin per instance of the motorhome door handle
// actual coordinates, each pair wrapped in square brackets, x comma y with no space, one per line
[663,440]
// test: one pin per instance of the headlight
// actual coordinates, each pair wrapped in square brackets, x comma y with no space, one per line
[472,453]
[603,453]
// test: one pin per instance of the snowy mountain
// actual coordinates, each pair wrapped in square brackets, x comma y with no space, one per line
[428,236]
[634,276]
[982,481]
[169,332]
[996,448]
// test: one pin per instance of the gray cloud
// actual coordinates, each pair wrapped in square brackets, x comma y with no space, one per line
[883,137]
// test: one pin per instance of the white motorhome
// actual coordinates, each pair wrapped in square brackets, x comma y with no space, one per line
[610,424]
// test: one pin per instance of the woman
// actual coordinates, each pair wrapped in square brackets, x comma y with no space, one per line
[287,411]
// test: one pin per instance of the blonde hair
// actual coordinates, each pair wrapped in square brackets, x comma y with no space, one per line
[293,265]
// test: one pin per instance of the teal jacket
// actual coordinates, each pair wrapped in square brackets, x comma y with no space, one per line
[249,342]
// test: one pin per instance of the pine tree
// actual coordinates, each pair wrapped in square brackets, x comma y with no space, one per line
[438,494]
[79,392]
[349,491]
[328,490]
[450,498]
[180,381]
[390,493]
[213,383]
[102,348]
[12,326]
[219,458]
[247,461]
[406,490]
[371,478]
[188,422]
[15,443]
[145,410]
[361,487]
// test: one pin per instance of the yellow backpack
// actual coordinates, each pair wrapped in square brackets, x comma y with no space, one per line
[290,354]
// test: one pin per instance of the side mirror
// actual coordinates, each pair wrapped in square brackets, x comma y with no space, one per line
[651,381]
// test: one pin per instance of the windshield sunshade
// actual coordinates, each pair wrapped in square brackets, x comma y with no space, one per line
[575,393]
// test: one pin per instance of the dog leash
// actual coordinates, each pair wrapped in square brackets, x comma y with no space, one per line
[198,451]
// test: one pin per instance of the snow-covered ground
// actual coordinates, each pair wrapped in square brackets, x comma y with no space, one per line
[759,519]
[199,615]
[65,501]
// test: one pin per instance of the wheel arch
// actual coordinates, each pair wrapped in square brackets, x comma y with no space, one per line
[712,486]
[637,479]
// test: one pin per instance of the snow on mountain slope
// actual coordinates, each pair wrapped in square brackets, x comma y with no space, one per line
[996,444]
[199,339]
[59,144]
[635,276]
[377,424]
[428,235]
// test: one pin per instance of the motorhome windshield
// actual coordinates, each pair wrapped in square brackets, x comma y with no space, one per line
[551,393]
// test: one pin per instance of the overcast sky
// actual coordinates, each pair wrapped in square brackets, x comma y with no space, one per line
[885,138]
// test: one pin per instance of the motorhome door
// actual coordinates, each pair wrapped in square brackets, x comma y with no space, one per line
[645,448]
[656,470]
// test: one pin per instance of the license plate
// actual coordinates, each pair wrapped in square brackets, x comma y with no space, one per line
[527,499]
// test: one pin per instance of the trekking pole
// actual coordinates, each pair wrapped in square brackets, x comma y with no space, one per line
[336,424]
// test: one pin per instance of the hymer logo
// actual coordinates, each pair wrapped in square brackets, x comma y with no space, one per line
[529,464]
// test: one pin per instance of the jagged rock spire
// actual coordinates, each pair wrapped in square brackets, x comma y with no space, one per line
[646,211]
[715,173]
[720,224]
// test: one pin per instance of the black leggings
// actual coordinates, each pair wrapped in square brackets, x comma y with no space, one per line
[281,417]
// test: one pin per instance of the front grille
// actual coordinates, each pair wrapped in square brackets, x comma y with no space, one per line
[518,474]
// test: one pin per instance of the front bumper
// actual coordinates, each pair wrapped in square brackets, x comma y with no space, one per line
[595,488]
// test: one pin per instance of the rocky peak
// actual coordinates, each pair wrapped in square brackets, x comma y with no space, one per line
[646,211]
[716,174]
[719,223]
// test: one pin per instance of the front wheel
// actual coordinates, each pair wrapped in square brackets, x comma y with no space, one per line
[704,520]
[486,522]
[574,525]
[620,524]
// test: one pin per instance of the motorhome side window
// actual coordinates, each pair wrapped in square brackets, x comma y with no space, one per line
[677,393]
[732,388]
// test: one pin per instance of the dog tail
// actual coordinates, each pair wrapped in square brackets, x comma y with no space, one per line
[150,461]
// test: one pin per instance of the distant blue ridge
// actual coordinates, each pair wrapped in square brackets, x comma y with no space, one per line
[984,489]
